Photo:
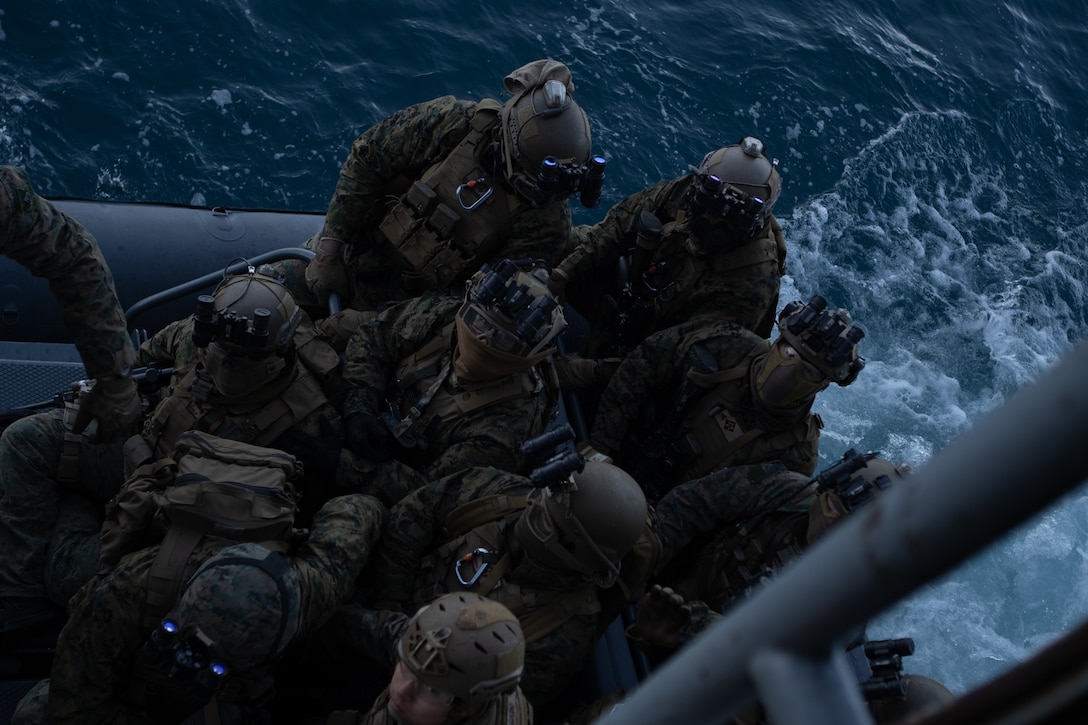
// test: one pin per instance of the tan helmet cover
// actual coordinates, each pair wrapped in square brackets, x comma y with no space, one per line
[466,645]
[746,168]
[587,526]
[925,696]
[542,119]
[784,379]
[828,508]
[489,345]
[237,364]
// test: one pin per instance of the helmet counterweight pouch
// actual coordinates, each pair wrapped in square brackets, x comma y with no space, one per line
[210,487]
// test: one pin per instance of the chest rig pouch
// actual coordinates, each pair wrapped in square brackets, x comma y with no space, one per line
[476,558]
[258,423]
[454,213]
[716,429]
[679,264]
[423,401]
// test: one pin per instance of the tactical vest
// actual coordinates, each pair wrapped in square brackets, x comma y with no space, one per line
[711,434]
[752,555]
[425,409]
[257,423]
[476,558]
[679,265]
[455,214]
[715,434]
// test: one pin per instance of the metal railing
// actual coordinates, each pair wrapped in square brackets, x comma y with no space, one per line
[783,645]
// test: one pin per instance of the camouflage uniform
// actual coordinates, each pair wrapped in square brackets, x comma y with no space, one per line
[681,405]
[51,244]
[44,528]
[455,423]
[382,164]
[101,641]
[562,615]
[739,285]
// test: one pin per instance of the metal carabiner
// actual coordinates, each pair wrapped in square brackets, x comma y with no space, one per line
[467,558]
[470,185]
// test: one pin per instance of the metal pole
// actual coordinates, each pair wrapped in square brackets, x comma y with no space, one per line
[211,278]
[1013,463]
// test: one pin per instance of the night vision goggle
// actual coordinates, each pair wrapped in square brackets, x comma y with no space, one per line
[186,663]
[711,196]
[827,339]
[499,290]
[560,181]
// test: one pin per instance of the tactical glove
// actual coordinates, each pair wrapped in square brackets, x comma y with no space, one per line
[326,273]
[338,327]
[578,373]
[660,621]
[368,436]
[114,403]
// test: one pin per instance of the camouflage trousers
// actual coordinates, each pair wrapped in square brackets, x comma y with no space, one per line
[49,532]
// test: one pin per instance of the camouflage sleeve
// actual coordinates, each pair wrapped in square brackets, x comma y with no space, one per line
[171,346]
[652,365]
[600,245]
[343,533]
[398,147]
[356,632]
[540,234]
[377,346]
[802,457]
[721,498]
[551,662]
[52,245]
[99,644]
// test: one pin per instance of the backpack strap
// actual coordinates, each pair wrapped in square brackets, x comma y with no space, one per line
[167,571]
[582,600]
[469,515]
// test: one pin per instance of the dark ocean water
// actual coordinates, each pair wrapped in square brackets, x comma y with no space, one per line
[932,155]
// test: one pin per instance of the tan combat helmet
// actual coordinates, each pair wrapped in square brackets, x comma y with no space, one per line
[509,320]
[736,187]
[246,329]
[546,141]
[815,347]
[466,645]
[587,524]
[840,492]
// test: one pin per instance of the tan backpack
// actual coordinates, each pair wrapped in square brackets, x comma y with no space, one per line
[210,487]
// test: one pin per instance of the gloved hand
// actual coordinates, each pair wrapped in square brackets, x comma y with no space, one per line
[557,285]
[320,455]
[115,404]
[326,273]
[578,373]
[368,436]
[660,619]
[338,327]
